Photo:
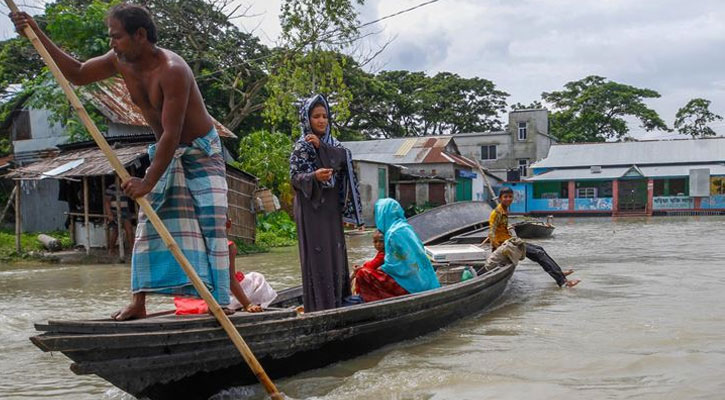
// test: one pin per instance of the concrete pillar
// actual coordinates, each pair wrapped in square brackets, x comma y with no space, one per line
[18,217]
[421,193]
[615,196]
[572,195]
[650,195]
[86,218]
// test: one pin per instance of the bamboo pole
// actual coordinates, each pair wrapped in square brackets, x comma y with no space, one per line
[106,234]
[10,201]
[485,180]
[72,227]
[86,217]
[214,307]
[121,244]
[18,217]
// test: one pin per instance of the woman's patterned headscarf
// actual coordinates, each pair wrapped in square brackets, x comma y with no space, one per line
[304,156]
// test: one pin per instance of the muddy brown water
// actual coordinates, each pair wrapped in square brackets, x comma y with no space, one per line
[647,322]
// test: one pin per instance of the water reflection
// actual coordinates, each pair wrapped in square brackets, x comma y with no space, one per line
[645,323]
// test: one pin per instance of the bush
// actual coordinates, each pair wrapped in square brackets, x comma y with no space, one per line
[266,155]
[245,248]
[276,230]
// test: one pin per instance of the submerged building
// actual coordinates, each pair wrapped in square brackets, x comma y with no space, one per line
[630,178]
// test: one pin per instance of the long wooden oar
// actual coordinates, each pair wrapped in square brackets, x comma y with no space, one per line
[485,180]
[151,214]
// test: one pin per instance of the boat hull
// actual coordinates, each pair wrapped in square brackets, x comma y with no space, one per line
[200,361]
[533,230]
[438,225]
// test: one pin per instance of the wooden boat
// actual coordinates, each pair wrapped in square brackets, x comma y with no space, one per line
[169,357]
[172,357]
[474,236]
[441,223]
[533,229]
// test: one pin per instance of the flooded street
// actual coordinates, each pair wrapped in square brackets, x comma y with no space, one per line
[646,322]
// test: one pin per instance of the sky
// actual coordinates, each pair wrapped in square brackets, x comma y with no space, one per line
[528,47]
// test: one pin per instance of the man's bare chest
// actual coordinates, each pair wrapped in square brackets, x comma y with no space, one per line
[145,93]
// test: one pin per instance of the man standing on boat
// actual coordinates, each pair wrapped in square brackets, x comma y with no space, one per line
[185,182]
[498,233]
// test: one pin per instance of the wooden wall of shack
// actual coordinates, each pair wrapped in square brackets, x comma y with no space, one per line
[241,187]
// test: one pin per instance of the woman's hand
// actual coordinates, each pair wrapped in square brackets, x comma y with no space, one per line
[310,138]
[253,308]
[323,174]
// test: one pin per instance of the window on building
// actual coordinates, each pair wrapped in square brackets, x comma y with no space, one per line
[593,189]
[523,166]
[586,193]
[550,190]
[382,183]
[659,187]
[679,187]
[671,187]
[522,130]
[717,185]
[488,152]
[20,129]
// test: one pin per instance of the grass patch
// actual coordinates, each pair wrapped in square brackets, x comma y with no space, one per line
[246,248]
[29,243]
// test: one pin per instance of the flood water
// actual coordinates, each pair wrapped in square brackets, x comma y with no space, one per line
[647,322]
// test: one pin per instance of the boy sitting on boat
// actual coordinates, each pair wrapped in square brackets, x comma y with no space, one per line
[498,233]
[370,282]
[250,292]
[403,268]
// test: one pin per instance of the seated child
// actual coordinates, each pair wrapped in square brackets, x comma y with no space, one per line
[370,282]
[250,291]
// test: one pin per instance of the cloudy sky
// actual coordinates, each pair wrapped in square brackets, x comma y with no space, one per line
[529,46]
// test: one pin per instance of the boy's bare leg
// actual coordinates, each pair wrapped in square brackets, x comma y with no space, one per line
[135,310]
[572,283]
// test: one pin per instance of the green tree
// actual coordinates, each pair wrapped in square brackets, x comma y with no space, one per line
[369,115]
[404,103]
[594,109]
[694,117]
[18,62]
[221,56]
[314,35]
[533,105]
[266,155]
[228,64]
[454,105]
[78,27]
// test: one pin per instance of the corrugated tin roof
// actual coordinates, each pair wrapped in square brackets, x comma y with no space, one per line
[618,172]
[405,147]
[680,170]
[113,100]
[578,174]
[425,150]
[640,153]
[6,161]
[79,163]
